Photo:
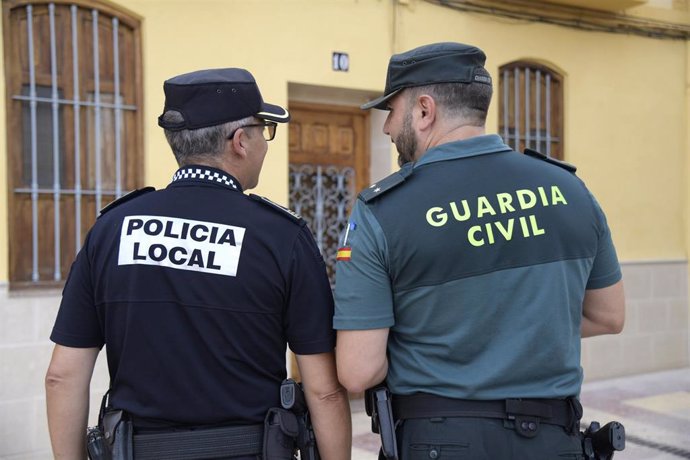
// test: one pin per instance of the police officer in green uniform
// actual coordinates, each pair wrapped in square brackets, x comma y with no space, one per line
[468,277]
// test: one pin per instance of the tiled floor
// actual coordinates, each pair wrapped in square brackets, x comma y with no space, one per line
[654,408]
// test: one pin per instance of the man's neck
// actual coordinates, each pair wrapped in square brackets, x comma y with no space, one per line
[445,134]
[453,134]
[222,164]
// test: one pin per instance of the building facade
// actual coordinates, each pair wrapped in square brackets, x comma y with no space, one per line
[604,85]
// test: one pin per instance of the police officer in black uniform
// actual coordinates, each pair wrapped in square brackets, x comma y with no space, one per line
[195,290]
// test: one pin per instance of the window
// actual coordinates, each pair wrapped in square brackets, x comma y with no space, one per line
[531,108]
[74,127]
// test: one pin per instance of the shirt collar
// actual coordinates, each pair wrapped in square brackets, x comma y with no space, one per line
[205,175]
[478,145]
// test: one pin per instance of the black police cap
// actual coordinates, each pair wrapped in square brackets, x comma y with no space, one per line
[216,96]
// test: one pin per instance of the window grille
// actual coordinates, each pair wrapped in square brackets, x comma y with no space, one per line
[531,108]
[322,195]
[74,132]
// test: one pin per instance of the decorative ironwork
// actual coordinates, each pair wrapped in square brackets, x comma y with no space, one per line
[323,195]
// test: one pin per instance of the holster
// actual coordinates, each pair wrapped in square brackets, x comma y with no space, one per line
[112,439]
[118,433]
[377,403]
[280,432]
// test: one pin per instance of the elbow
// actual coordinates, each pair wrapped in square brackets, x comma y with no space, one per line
[357,380]
[615,323]
[349,379]
[53,379]
[353,385]
[333,394]
[616,326]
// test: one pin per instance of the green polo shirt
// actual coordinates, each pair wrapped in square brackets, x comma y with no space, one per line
[477,259]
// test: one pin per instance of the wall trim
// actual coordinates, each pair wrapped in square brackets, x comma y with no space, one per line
[654,262]
[572,16]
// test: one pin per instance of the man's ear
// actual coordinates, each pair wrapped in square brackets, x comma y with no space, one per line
[239,142]
[426,106]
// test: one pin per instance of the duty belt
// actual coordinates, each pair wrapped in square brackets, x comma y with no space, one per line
[221,442]
[526,413]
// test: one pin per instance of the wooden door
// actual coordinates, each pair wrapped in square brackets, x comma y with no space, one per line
[329,165]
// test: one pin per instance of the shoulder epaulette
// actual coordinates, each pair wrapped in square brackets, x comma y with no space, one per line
[126,197]
[273,205]
[553,161]
[386,184]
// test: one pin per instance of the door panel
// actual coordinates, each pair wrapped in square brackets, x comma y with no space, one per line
[329,165]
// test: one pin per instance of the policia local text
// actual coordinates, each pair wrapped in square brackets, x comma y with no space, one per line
[181,243]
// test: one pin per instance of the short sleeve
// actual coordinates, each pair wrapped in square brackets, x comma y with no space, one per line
[363,294]
[77,324]
[606,269]
[310,300]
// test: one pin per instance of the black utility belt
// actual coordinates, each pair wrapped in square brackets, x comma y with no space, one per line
[200,443]
[527,413]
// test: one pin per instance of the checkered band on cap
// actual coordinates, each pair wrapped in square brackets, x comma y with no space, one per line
[204,174]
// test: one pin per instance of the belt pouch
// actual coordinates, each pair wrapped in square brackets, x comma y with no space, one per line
[280,431]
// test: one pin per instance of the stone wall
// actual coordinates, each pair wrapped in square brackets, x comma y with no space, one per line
[655,338]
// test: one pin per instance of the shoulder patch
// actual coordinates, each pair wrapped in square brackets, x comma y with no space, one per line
[553,161]
[288,212]
[126,197]
[386,184]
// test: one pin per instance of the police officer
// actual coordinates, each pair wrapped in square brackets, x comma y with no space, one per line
[195,290]
[468,277]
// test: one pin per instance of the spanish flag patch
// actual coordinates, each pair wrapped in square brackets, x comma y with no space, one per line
[344,253]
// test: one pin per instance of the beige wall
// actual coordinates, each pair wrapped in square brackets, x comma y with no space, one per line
[655,336]
[623,119]
[278,41]
[627,101]
[26,321]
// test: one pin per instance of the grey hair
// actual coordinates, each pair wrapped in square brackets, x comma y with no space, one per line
[468,101]
[203,144]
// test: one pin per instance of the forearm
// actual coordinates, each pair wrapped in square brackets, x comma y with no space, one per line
[67,398]
[330,415]
[68,409]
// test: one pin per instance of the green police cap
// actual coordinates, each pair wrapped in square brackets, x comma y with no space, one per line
[431,64]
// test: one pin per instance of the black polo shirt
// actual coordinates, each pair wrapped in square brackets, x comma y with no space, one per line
[195,290]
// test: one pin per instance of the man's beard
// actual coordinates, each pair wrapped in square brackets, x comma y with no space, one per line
[406,142]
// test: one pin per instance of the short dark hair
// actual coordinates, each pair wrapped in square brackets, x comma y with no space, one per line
[191,145]
[469,101]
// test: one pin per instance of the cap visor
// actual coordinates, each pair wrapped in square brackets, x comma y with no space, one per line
[380,102]
[273,113]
